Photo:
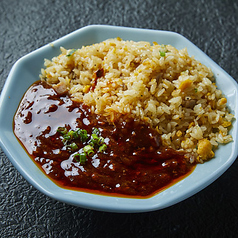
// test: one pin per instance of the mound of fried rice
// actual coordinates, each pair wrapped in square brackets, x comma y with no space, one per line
[156,84]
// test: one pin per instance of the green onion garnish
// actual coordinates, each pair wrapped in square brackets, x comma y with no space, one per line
[70,134]
[94,140]
[101,140]
[92,145]
[66,139]
[62,130]
[82,158]
[163,50]
[102,148]
[89,150]
[73,146]
[71,52]
[83,135]
[96,131]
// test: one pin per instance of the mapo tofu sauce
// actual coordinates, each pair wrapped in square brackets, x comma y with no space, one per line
[134,164]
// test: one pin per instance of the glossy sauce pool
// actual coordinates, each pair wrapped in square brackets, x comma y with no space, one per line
[133,165]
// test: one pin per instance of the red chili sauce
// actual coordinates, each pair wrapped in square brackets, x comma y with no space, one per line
[134,163]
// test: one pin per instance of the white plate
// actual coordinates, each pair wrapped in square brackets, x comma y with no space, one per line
[26,71]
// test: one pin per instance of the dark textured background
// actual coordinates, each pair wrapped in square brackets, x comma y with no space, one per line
[26,25]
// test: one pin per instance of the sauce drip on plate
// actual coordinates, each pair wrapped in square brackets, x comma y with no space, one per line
[134,163]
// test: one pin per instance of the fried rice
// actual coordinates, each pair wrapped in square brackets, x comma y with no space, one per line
[156,84]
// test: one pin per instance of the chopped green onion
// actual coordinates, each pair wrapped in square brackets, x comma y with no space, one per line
[95,137]
[89,150]
[101,140]
[102,148]
[163,50]
[70,134]
[82,134]
[96,142]
[73,146]
[82,158]
[71,52]
[66,139]
[76,157]
[95,131]
[62,130]
[73,134]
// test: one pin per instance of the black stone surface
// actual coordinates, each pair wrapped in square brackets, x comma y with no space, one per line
[25,25]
